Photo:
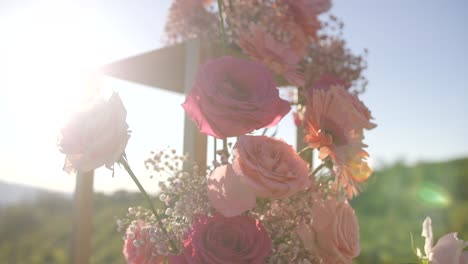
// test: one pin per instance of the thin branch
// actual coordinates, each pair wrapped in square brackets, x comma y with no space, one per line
[123,161]
[303,150]
[221,21]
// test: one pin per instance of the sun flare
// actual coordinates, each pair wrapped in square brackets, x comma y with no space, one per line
[45,58]
[46,54]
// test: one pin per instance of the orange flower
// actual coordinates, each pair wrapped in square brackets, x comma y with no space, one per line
[334,123]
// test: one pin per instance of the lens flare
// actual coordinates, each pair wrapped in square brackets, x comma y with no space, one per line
[434,195]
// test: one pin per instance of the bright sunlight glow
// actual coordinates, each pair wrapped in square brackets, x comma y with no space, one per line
[46,57]
[45,54]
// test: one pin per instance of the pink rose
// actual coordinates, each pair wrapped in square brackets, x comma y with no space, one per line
[218,239]
[234,96]
[333,233]
[270,166]
[138,249]
[96,136]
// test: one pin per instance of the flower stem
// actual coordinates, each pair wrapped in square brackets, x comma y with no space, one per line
[215,148]
[221,21]
[304,149]
[225,145]
[318,168]
[124,163]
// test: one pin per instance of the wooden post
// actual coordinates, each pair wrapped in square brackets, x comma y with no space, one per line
[82,219]
[195,143]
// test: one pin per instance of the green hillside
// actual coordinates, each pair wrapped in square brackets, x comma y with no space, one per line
[40,232]
[394,204]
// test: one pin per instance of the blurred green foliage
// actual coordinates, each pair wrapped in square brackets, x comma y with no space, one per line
[398,198]
[40,232]
[394,204]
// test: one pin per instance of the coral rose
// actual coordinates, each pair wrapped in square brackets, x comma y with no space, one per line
[270,166]
[96,136]
[138,249]
[218,239]
[234,96]
[333,233]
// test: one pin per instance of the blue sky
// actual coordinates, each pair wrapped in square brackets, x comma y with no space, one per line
[418,73]
[418,66]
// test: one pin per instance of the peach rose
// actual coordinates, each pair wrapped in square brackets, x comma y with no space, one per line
[96,136]
[270,166]
[333,233]
[227,194]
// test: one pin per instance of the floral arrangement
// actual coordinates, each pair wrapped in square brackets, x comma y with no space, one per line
[261,201]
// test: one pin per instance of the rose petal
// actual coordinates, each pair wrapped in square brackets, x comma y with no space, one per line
[464,256]
[427,233]
[448,250]
[227,194]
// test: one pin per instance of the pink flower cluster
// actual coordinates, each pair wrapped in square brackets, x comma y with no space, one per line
[264,204]
[278,33]
[267,204]
[189,19]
